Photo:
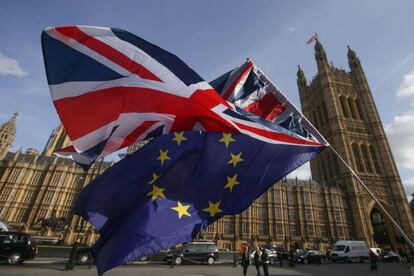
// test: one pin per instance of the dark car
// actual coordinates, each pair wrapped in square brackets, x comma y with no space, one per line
[311,257]
[17,247]
[84,255]
[194,252]
[390,257]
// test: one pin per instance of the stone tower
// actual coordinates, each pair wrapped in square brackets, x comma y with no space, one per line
[7,134]
[340,105]
[57,140]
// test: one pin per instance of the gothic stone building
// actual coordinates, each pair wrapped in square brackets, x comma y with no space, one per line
[38,188]
[341,106]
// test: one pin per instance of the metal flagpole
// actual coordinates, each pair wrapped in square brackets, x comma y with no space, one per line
[343,161]
[375,198]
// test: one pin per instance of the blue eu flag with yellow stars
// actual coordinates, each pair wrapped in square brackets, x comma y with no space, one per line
[175,186]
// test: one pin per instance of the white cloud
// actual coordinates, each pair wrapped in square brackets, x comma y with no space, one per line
[291,29]
[409,186]
[9,66]
[400,133]
[407,87]
[303,172]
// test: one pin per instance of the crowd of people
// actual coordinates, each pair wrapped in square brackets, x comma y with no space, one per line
[260,259]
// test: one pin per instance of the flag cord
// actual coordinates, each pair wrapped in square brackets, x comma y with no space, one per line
[375,198]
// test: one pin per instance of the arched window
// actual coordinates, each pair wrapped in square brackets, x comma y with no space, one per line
[353,108]
[320,116]
[355,151]
[359,108]
[315,119]
[367,160]
[375,159]
[356,110]
[344,107]
[325,112]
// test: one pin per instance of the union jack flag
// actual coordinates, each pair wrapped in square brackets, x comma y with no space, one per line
[249,89]
[313,38]
[112,88]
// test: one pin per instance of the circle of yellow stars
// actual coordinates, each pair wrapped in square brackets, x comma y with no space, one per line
[213,207]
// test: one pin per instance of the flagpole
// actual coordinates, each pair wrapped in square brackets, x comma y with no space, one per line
[345,163]
[375,198]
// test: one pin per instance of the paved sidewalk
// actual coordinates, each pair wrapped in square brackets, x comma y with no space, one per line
[55,266]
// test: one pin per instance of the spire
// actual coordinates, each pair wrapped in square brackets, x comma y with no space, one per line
[7,135]
[301,79]
[57,140]
[353,60]
[10,125]
[320,56]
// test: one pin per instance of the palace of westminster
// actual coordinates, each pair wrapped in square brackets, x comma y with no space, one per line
[37,189]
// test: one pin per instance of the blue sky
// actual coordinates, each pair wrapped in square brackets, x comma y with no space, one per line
[214,36]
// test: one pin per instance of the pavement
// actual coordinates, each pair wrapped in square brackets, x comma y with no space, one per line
[55,266]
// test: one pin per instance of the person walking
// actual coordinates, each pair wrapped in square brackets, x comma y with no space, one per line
[257,260]
[403,257]
[373,260]
[412,263]
[72,257]
[245,261]
[280,257]
[265,261]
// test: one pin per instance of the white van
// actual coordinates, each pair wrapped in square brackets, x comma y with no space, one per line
[349,251]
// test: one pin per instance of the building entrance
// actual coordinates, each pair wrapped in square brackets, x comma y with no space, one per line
[378,226]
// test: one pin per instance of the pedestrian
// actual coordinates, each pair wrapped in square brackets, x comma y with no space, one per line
[291,260]
[256,259]
[72,257]
[264,258]
[318,259]
[412,263]
[280,257]
[403,257]
[373,260]
[245,260]
[90,258]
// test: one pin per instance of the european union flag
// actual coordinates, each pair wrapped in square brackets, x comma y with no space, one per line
[178,184]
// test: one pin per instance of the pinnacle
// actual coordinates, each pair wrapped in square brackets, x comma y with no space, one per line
[10,125]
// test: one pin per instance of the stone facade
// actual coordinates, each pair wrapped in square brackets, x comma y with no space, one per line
[38,190]
[340,104]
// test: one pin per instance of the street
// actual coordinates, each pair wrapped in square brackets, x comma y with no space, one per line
[52,267]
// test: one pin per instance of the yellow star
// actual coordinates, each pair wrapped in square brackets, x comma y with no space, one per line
[181,210]
[235,159]
[213,208]
[154,178]
[163,156]
[227,139]
[156,192]
[231,182]
[179,136]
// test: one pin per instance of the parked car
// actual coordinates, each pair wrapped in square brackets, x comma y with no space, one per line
[194,252]
[280,252]
[311,257]
[390,257]
[348,251]
[16,247]
[84,255]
